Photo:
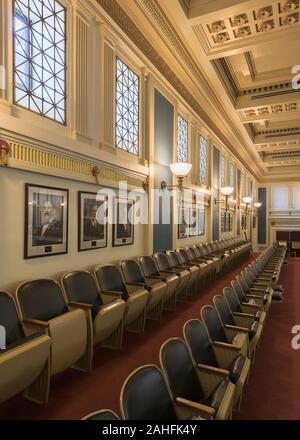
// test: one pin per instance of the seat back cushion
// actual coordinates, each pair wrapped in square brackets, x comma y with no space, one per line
[80,286]
[9,319]
[148,266]
[41,299]
[198,340]
[183,255]
[162,261]
[145,396]
[238,290]
[223,309]
[232,299]
[131,271]
[213,324]
[109,278]
[180,371]
[174,258]
[191,253]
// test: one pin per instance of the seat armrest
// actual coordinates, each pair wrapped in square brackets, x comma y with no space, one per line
[84,306]
[38,322]
[137,284]
[237,328]
[226,346]
[254,306]
[243,315]
[194,405]
[214,370]
[115,293]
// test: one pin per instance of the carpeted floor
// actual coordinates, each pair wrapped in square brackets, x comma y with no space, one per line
[272,391]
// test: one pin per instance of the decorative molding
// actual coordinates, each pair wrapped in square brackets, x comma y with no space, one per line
[48,160]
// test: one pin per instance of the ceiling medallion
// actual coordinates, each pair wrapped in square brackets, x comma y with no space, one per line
[290,19]
[264,13]
[217,26]
[239,20]
[265,26]
[290,6]
[243,32]
[222,38]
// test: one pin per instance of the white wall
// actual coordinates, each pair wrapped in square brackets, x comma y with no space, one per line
[13,268]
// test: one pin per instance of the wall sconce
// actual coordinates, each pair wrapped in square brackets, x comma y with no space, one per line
[257,205]
[247,201]
[4,153]
[226,191]
[180,170]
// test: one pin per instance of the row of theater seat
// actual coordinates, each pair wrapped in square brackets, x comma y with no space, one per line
[53,326]
[202,375]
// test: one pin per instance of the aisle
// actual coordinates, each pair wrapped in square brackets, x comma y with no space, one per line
[273,391]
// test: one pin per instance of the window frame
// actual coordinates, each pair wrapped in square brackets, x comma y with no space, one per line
[66,59]
[180,116]
[127,64]
[206,183]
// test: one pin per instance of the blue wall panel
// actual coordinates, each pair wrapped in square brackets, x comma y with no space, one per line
[262,216]
[215,209]
[163,156]
[238,214]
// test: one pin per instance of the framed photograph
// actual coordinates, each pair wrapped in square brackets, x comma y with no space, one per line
[201,221]
[193,222]
[46,221]
[183,227]
[123,227]
[244,221]
[92,225]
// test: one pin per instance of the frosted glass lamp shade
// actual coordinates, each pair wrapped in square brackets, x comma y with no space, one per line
[227,190]
[257,205]
[247,200]
[180,169]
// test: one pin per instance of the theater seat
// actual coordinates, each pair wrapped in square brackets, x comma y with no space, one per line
[44,307]
[151,272]
[103,414]
[222,337]
[212,263]
[105,321]
[194,268]
[164,266]
[250,289]
[177,263]
[192,390]
[133,276]
[237,307]
[111,284]
[239,323]
[205,266]
[24,361]
[144,396]
[209,362]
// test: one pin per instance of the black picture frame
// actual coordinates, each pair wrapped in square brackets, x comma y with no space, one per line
[89,230]
[118,240]
[183,227]
[193,222]
[46,226]
[201,213]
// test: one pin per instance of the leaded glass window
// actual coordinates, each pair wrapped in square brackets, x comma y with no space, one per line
[127,108]
[223,171]
[182,139]
[203,161]
[40,57]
